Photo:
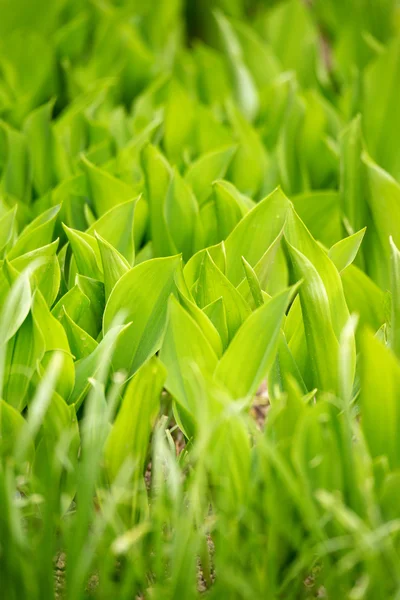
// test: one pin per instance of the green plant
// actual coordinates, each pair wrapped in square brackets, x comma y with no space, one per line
[199,300]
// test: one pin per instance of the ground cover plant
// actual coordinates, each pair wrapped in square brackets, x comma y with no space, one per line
[199,299]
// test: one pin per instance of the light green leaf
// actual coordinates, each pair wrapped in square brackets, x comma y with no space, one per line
[343,253]
[380,420]
[141,297]
[252,351]
[130,433]
[212,284]
[206,169]
[254,234]
[184,346]
[114,264]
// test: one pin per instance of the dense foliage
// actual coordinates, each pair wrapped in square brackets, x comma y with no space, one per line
[199,299]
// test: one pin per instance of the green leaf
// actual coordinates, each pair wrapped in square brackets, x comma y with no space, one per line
[182,216]
[270,270]
[90,367]
[7,231]
[206,169]
[80,342]
[185,348]
[106,191]
[39,137]
[204,322]
[192,268]
[38,233]
[158,175]
[395,289]
[254,234]
[53,338]
[120,237]
[130,433]
[380,420]
[254,284]
[244,86]
[230,206]
[250,162]
[343,253]
[16,308]
[352,184]
[11,426]
[45,270]
[363,297]
[212,284]
[114,264]
[320,213]
[381,90]
[252,351]
[322,343]
[216,312]
[141,296]
[384,203]
[179,108]
[86,253]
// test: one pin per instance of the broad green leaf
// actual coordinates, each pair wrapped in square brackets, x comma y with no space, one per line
[270,270]
[182,216]
[184,346]
[211,285]
[179,108]
[252,351]
[15,172]
[16,308]
[11,426]
[320,213]
[381,88]
[285,372]
[352,183]
[343,253]
[114,264]
[116,226]
[204,322]
[363,297]
[380,419]
[77,304]
[80,342]
[254,234]
[7,231]
[384,203]
[94,291]
[45,270]
[38,233]
[106,191]
[192,268]
[395,289]
[216,312]
[39,138]
[230,206]
[86,253]
[130,433]
[59,431]
[244,86]
[208,168]
[158,175]
[250,163]
[253,283]
[54,338]
[89,367]
[320,335]
[299,237]
[141,297]
[258,56]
